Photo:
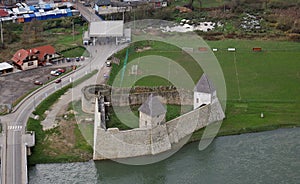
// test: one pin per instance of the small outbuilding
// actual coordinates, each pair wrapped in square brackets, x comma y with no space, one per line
[5,68]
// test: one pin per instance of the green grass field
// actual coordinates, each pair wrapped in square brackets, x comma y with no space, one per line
[257,82]
[205,3]
[268,82]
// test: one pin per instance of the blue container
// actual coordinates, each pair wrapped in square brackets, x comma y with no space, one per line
[32,8]
[27,18]
[32,16]
[38,16]
[47,7]
[69,13]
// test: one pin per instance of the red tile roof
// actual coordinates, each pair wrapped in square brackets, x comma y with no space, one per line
[40,52]
[3,13]
[43,50]
[20,56]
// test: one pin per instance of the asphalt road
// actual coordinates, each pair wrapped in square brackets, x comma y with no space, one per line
[15,168]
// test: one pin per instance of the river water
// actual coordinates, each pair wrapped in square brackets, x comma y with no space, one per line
[267,157]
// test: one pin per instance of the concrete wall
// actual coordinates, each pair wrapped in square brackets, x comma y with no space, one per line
[113,144]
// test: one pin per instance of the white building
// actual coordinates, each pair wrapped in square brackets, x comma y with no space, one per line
[204,92]
[105,32]
[5,68]
[152,113]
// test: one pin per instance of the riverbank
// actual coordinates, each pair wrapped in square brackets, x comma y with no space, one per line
[267,157]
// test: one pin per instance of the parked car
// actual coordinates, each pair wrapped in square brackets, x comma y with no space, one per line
[77,59]
[108,63]
[82,58]
[55,73]
[68,60]
[38,82]
[61,70]
[58,81]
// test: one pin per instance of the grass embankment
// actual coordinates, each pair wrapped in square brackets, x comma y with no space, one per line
[42,152]
[257,82]
[74,52]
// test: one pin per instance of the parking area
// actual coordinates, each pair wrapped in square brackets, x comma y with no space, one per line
[15,85]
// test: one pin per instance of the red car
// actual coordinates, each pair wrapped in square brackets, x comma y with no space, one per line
[38,82]
[58,81]
[61,70]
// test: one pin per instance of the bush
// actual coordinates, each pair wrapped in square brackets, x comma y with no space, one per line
[294,37]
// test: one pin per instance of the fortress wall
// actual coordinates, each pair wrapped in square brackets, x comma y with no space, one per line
[168,97]
[188,123]
[135,96]
[112,144]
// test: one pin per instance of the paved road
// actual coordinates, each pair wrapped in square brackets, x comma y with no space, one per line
[14,165]
[88,13]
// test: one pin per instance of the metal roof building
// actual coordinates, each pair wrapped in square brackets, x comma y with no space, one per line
[5,68]
[108,31]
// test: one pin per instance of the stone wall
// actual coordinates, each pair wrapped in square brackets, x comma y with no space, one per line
[134,96]
[114,144]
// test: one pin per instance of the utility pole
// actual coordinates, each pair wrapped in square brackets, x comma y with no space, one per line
[1,30]
[73,30]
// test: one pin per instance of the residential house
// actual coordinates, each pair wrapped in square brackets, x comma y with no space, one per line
[31,58]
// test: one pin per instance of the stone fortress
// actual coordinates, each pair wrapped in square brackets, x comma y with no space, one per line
[154,135]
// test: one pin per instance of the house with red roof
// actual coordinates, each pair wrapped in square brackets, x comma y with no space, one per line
[32,58]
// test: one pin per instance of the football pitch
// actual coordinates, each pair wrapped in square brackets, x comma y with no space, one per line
[265,82]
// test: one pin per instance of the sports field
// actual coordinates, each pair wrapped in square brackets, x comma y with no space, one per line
[265,82]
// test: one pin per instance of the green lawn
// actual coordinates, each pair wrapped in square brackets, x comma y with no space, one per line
[257,82]
[76,52]
[205,3]
[128,122]
[157,49]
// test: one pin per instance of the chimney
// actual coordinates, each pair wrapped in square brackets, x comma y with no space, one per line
[19,54]
[30,51]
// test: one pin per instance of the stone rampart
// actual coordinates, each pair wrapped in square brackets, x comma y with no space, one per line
[114,144]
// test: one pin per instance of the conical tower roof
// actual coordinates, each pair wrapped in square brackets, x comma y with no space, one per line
[152,106]
[204,85]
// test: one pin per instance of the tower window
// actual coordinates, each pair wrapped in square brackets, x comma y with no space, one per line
[197,100]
